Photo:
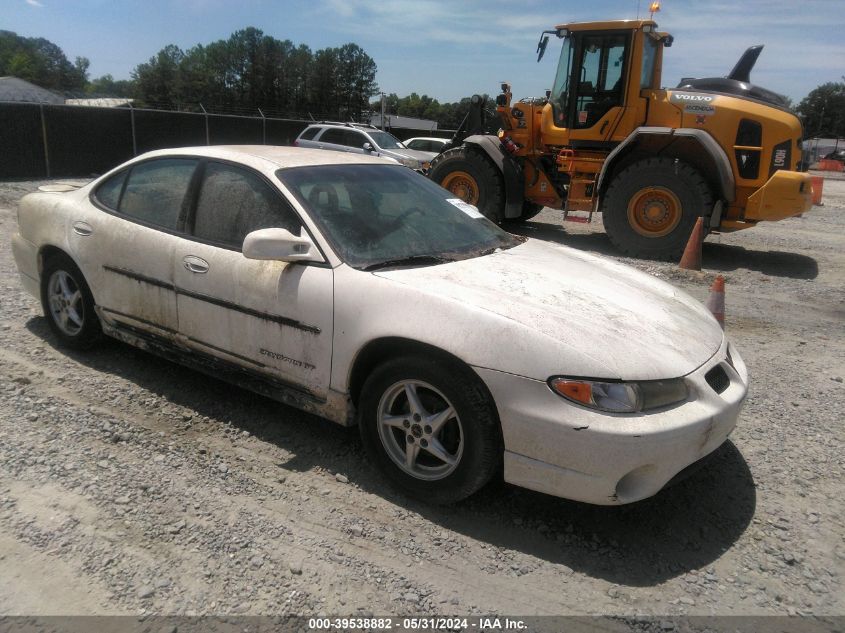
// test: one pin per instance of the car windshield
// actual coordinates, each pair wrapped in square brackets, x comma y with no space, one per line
[385,140]
[389,216]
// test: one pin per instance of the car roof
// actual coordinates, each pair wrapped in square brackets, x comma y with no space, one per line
[427,138]
[271,157]
[353,126]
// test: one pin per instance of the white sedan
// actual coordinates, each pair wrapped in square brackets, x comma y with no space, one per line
[426,143]
[360,291]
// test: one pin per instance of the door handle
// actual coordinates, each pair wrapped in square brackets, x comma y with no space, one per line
[82,228]
[195,264]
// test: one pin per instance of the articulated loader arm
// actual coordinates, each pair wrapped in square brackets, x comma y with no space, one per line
[474,122]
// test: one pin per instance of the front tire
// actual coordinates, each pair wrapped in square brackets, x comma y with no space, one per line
[68,304]
[651,207]
[473,178]
[431,428]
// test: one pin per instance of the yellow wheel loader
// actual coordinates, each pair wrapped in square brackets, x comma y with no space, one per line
[608,138]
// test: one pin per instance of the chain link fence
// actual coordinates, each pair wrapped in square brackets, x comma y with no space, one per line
[48,141]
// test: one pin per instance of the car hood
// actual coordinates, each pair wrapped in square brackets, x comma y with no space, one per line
[579,310]
[410,153]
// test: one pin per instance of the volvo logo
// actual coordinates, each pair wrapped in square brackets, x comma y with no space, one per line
[679,96]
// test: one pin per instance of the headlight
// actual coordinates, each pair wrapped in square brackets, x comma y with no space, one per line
[410,162]
[620,397]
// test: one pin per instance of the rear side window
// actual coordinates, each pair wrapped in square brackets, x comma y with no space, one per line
[234,202]
[309,133]
[108,194]
[155,191]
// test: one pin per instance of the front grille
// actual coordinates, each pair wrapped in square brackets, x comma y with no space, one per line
[718,379]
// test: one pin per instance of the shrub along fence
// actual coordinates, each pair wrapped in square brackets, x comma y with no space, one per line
[48,141]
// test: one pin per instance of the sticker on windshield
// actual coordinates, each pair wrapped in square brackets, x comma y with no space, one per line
[467,208]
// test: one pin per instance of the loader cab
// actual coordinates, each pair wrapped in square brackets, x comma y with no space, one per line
[590,77]
[601,70]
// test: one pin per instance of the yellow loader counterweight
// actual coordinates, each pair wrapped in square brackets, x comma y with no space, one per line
[608,138]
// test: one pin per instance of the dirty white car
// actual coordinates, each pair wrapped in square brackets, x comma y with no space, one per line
[363,292]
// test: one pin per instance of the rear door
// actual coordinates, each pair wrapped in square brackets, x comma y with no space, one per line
[268,317]
[126,246]
[333,138]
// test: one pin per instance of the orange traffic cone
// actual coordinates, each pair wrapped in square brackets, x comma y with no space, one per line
[716,300]
[691,259]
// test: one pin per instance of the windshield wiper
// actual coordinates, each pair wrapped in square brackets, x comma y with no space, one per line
[412,260]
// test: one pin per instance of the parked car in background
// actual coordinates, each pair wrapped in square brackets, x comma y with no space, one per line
[426,143]
[354,288]
[836,155]
[362,139]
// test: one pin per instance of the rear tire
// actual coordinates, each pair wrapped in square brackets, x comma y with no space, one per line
[436,459]
[68,304]
[651,207]
[471,176]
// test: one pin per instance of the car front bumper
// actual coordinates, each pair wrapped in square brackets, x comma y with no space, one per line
[565,450]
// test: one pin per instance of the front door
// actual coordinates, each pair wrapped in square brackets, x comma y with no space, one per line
[268,317]
[598,85]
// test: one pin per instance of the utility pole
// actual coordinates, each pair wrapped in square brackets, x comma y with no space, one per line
[382,111]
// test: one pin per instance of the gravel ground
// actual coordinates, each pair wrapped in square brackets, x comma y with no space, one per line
[131,485]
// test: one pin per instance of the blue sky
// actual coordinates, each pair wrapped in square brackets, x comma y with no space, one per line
[452,49]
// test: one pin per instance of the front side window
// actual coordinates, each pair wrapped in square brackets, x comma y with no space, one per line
[234,202]
[333,135]
[374,214]
[155,191]
[355,139]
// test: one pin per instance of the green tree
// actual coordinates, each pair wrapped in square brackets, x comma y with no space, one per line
[823,111]
[41,62]
[356,80]
[107,86]
[251,70]
[158,82]
[323,98]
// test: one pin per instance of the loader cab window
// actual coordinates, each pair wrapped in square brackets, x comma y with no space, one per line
[590,78]
[560,90]
[649,57]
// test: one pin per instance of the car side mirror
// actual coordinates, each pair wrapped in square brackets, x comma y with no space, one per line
[368,147]
[280,245]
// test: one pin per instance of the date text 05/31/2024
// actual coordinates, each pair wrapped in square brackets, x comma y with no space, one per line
[418,624]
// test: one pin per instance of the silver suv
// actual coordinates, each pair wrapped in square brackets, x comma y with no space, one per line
[362,139]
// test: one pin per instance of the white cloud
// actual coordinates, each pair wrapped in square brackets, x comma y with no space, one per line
[465,23]
[34,3]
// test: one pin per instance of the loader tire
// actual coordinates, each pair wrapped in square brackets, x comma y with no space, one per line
[529,210]
[651,207]
[469,175]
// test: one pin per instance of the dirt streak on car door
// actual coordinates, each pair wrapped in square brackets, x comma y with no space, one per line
[135,286]
[270,317]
